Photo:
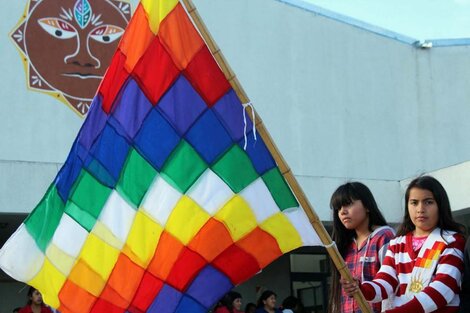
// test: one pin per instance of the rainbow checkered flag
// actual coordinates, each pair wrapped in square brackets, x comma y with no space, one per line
[158,207]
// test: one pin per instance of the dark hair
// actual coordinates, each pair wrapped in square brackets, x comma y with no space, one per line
[227,300]
[249,306]
[290,302]
[266,294]
[445,221]
[30,294]
[345,195]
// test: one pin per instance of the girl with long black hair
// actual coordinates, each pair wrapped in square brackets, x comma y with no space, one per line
[361,235]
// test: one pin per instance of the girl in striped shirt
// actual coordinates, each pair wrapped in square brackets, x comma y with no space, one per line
[422,269]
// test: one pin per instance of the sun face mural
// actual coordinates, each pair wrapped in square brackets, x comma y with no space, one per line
[67,45]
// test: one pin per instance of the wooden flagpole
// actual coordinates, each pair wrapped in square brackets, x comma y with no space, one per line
[283,167]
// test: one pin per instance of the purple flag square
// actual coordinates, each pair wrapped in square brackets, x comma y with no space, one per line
[131,108]
[202,289]
[166,301]
[182,105]
[258,153]
[229,109]
[190,305]
[94,124]
[69,173]
[209,137]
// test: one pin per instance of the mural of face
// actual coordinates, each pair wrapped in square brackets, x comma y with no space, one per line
[69,45]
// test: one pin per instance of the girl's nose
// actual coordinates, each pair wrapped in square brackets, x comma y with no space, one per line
[420,207]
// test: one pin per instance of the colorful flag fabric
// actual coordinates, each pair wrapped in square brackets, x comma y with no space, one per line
[158,207]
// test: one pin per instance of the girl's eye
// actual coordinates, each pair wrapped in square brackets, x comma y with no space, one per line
[106,33]
[429,202]
[57,28]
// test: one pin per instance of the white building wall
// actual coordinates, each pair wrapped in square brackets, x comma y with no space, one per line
[36,130]
[455,180]
[341,102]
[344,103]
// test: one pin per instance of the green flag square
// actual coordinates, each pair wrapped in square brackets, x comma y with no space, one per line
[236,169]
[183,167]
[279,189]
[89,194]
[45,218]
[136,177]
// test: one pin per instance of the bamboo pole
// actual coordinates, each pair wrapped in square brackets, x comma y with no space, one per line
[283,167]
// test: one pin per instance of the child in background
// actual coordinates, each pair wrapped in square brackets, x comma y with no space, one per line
[361,235]
[250,307]
[267,303]
[35,303]
[423,267]
[291,304]
[231,302]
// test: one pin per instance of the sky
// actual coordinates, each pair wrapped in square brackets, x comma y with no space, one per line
[419,19]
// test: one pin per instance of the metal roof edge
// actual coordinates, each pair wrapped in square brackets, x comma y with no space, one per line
[419,43]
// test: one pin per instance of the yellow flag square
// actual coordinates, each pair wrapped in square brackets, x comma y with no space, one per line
[238,217]
[186,219]
[285,233]
[157,11]
[49,281]
[99,255]
[143,239]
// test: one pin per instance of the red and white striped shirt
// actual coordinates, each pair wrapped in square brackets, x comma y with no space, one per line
[394,276]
